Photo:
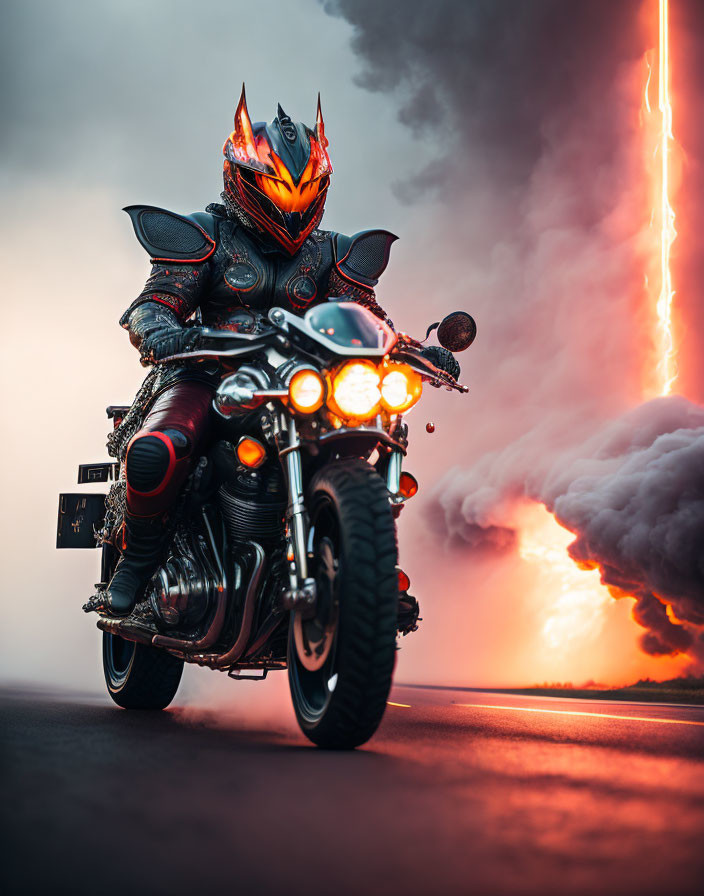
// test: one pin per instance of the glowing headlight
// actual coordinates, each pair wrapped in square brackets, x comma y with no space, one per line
[306,391]
[355,390]
[401,388]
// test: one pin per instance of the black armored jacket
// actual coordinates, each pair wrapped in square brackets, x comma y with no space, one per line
[209,261]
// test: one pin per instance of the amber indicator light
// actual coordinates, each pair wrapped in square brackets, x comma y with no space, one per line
[404,583]
[250,452]
[408,485]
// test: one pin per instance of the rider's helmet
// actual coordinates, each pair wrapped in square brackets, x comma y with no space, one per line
[277,175]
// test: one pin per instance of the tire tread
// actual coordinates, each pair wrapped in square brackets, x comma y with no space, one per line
[369,611]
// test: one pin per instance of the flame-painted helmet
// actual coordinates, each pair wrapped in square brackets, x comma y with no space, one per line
[277,175]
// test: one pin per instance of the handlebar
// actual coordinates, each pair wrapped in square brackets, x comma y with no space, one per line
[405,350]
[413,356]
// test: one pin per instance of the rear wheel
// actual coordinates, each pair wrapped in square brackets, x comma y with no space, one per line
[341,661]
[139,676]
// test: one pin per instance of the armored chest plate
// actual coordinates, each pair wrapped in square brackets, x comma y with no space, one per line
[247,275]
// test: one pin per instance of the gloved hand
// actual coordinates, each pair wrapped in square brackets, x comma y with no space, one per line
[167,341]
[443,359]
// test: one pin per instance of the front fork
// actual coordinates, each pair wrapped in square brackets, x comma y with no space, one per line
[301,591]
[393,476]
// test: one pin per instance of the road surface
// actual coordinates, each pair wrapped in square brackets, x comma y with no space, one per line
[460,792]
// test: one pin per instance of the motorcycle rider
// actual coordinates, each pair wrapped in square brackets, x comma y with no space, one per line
[261,247]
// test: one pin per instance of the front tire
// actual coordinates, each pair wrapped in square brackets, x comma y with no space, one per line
[341,662]
[138,676]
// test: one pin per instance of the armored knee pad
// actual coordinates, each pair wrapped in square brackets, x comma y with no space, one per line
[153,459]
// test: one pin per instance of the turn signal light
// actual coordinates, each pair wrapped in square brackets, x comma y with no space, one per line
[250,452]
[306,391]
[408,485]
[404,583]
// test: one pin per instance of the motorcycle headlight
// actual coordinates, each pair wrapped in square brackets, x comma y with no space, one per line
[355,390]
[306,391]
[401,388]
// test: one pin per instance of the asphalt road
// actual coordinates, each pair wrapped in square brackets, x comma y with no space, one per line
[460,792]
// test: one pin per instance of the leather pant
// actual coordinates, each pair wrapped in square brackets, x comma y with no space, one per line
[160,456]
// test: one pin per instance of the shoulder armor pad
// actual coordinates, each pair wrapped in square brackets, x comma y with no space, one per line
[362,258]
[170,237]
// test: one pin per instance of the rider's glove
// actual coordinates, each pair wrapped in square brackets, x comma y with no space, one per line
[167,341]
[443,359]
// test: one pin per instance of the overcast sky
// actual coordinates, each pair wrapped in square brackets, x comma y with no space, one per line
[137,97]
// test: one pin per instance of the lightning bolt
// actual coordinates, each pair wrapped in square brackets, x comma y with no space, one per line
[667,368]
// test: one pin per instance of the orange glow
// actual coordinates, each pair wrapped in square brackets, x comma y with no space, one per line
[572,712]
[251,453]
[583,632]
[283,191]
[574,599]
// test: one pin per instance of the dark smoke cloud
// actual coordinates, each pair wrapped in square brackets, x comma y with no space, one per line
[497,75]
[633,494]
[638,513]
[531,109]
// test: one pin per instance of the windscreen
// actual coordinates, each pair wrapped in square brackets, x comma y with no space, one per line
[349,325]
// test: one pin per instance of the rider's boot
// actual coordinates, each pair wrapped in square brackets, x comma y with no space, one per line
[144,542]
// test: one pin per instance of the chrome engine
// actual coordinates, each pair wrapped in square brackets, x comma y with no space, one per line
[185,586]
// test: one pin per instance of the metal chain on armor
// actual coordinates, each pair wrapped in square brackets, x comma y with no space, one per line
[115,505]
[119,438]
[234,210]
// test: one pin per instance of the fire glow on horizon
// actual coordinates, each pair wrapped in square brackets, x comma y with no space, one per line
[578,599]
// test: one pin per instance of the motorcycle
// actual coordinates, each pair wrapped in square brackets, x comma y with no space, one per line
[282,553]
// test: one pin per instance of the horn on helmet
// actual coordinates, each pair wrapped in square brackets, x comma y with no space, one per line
[320,127]
[243,135]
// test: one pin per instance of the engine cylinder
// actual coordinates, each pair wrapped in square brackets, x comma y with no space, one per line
[253,505]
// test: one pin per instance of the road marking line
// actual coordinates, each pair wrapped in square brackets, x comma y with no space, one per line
[570,712]
[403,705]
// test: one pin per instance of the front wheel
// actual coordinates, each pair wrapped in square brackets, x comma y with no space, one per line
[341,661]
[139,676]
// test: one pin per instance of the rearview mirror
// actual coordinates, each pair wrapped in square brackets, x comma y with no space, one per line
[456,332]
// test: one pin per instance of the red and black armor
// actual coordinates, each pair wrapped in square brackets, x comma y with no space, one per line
[260,248]
[211,261]
[226,261]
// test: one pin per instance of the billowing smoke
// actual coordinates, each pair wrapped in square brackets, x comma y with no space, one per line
[502,76]
[542,214]
[633,494]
